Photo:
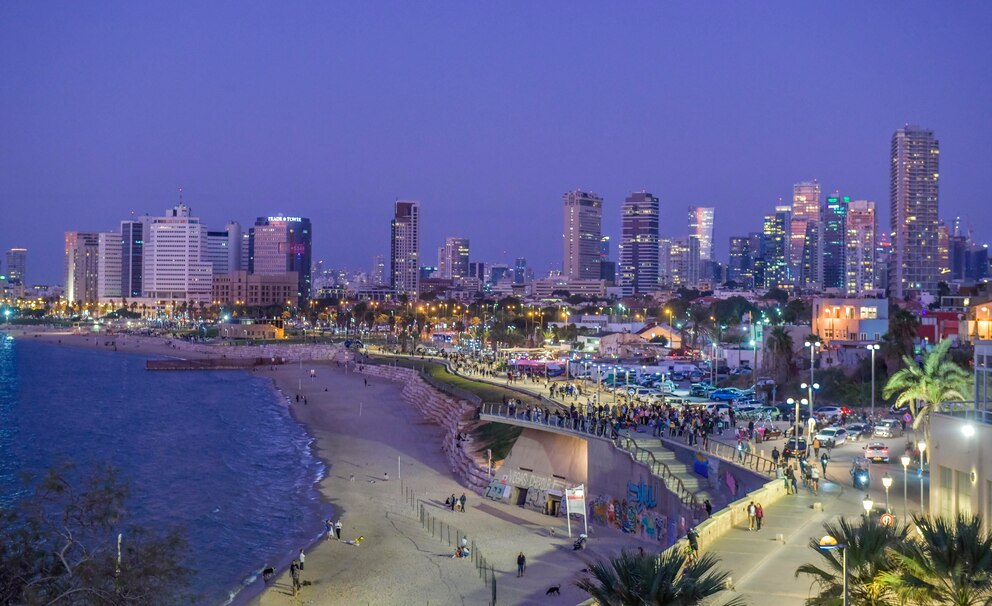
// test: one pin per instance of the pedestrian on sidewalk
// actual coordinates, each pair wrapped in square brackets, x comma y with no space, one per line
[759,514]
[461,501]
[823,462]
[815,480]
[816,447]
[775,455]
[521,564]
[751,515]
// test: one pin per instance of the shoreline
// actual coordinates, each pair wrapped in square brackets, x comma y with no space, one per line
[362,428]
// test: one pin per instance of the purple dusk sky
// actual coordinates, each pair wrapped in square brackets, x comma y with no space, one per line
[485,112]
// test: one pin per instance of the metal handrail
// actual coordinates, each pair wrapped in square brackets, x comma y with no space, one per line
[685,495]
[730,454]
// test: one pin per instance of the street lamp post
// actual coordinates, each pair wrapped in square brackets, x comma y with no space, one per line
[868,504]
[905,485]
[809,389]
[828,543]
[813,346]
[887,483]
[923,448]
[792,401]
[873,348]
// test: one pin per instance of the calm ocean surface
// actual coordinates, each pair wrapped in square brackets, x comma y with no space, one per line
[214,451]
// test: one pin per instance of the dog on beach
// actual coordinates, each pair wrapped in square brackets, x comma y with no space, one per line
[553,590]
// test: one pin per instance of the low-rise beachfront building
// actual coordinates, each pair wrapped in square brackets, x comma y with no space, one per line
[254,290]
[961,451]
[248,328]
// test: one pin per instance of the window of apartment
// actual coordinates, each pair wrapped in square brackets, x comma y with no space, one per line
[964,492]
[869,313]
[946,502]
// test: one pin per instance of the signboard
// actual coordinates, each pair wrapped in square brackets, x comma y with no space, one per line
[887,519]
[575,502]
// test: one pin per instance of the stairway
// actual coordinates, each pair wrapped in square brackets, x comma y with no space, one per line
[698,486]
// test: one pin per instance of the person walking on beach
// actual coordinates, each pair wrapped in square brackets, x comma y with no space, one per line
[294,571]
[303,558]
[337,529]
[521,564]
[461,501]
[329,528]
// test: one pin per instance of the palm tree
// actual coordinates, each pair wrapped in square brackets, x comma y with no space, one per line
[925,387]
[667,579]
[951,563]
[779,344]
[867,559]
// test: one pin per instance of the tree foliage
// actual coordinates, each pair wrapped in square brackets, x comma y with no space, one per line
[666,579]
[59,545]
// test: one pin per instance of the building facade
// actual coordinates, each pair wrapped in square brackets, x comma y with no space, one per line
[740,269]
[254,290]
[861,244]
[914,201]
[775,251]
[804,226]
[109,251]
[639,244]
[132,257]
[833,244]
[17,269]
[173,258]
[405,249]
[278,245]
[82,269]
[582,235]
[452,258]
[854,321]
[701,226]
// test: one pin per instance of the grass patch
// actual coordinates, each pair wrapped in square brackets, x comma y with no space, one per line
[498,437]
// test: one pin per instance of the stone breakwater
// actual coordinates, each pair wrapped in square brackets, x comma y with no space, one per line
[454,415]
[289,352]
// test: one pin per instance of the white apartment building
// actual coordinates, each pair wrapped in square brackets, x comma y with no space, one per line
[108,263]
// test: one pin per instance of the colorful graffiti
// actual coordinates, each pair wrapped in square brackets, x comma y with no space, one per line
[631,515]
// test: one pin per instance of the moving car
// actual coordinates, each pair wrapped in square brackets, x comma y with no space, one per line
[888,428]
[832,436]
[877,451]
[858,431]
[830,412]
[795,448]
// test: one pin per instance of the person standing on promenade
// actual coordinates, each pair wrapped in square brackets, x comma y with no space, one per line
[337,529]
[751,515]
[521,564]
[759,514]
[461,501]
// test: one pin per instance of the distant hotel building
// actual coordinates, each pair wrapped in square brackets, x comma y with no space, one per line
[224,249]
[833,244]
[242,288]
[582,235]
[804,235]
[109,267]
[132,257]
[860,257]
[915,173]
[405,249]
[639,244]
[278,245]
[775,253]
[173,251]
[17,266]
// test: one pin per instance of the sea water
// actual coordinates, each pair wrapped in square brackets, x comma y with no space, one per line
[214,451]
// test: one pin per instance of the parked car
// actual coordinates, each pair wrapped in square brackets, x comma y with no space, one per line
[877,451]
[832,437]
[795,448]
[741,370]
[828,412]
[858,431]
[725,394]
[717,407]
[888,428]
[700,390]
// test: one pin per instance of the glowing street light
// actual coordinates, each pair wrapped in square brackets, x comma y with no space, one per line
[905,460]
[868,504]
[873,348]
[923,448]
[887,483]
[828,543]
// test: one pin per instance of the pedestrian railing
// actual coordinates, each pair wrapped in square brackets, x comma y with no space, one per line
[730,453]
[452,535]
[603,429]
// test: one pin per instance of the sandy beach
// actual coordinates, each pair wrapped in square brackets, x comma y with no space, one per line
[364,430]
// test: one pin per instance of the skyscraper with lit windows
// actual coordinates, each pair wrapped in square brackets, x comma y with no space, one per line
[582,235]
[639,244]
[701,226]
[914,204]
[404,255]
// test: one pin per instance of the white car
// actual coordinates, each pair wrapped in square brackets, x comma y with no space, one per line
[832,437]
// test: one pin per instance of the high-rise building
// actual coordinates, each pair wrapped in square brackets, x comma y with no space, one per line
[582,235]
[775,252]
[943,251]
[701,226]
[132,256]
[639,244]
[173,258]
[279,245]
[804,233]
[219,253]
[684,257]
[862,225]
[833,243]
[81,266]
[405,249]
[520,271]
[914,197]
[452,259]
[17,267]
[378,276]
[740,269]
[109,249]
[665,262]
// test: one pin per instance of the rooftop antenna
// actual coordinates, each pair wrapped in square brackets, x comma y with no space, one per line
[180,195]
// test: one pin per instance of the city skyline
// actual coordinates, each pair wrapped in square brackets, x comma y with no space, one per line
[250,135]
